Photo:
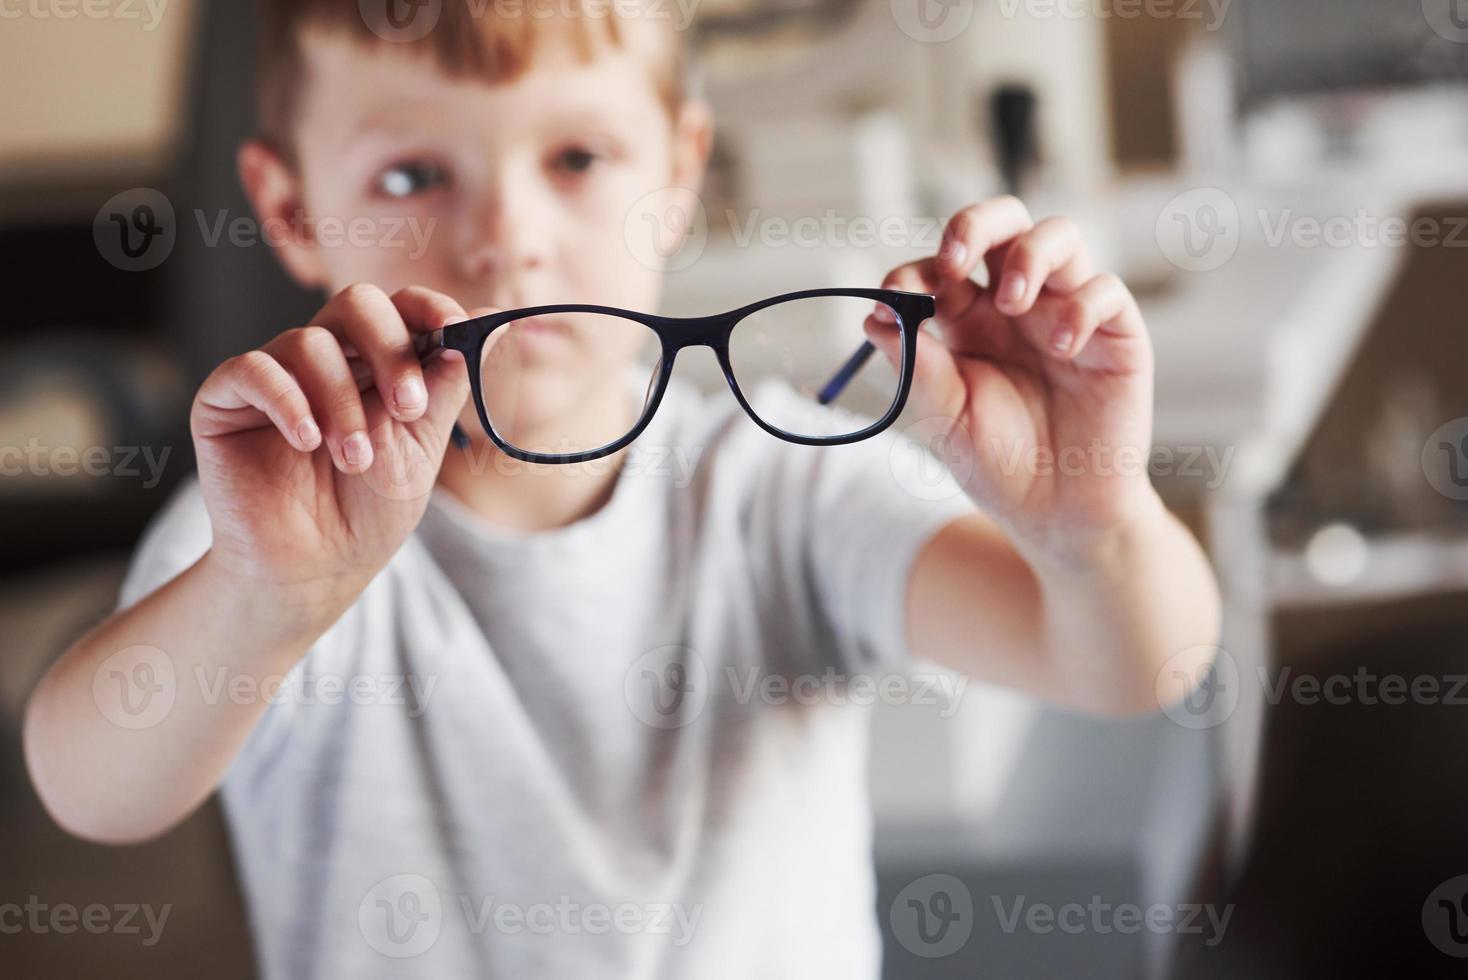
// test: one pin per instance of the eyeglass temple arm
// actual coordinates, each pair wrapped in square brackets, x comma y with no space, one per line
[845,373]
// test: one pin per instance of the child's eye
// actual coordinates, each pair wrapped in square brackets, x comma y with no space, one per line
[410,179]
[574,160]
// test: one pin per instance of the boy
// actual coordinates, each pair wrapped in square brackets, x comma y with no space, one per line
[520,812]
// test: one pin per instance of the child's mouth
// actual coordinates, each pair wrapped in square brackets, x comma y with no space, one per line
[542,325]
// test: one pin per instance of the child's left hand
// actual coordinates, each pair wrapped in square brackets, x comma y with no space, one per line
[1042,382]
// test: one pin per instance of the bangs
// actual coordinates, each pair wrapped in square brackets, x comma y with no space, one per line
[493,41]
[489,40]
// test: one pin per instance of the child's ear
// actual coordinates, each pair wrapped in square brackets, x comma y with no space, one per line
[693,141]
[275,194]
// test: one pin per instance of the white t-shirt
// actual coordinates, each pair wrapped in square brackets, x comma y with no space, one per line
[613,749]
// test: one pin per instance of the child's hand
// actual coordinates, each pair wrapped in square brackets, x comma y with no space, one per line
[312,483]
[1044,379]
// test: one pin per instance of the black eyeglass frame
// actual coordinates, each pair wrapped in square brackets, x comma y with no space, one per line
[676,333]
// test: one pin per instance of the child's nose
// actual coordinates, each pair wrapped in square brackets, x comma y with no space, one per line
[480,260]
[499,237]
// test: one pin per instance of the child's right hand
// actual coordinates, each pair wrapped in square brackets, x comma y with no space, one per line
[311,483]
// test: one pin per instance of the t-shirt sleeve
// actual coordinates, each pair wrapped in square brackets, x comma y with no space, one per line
[178,535]
[871,506]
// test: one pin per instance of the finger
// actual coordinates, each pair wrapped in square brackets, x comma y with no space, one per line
[448,391]
[936,383]
[1103,303]
[248,389]
[951,298]
[977,230]
[914,277]
[963,313]
[424,310]
[447,376]
[367,322]
[1052,255]
[315,356]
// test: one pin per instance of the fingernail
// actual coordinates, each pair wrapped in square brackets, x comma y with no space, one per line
[884,313]
[1012,290]
[1064,337]
[308,433]
[357,450]
[955,253]
[410,395]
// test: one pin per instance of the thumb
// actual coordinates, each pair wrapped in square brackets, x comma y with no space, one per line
[447,380]
[937,387]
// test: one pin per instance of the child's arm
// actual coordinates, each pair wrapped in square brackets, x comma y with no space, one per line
[1090,629]
[115,784]
[311,485]
[1077,585]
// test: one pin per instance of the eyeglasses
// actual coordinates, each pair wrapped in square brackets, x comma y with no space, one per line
[562,384]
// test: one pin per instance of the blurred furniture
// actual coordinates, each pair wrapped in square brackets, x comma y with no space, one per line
[60,127]
[1360,823]
[1285,48]
[1249,356]
[110,363]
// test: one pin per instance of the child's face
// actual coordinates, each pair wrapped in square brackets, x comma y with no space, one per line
[503,195]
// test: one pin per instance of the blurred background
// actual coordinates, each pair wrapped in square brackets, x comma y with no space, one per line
[1284,183]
